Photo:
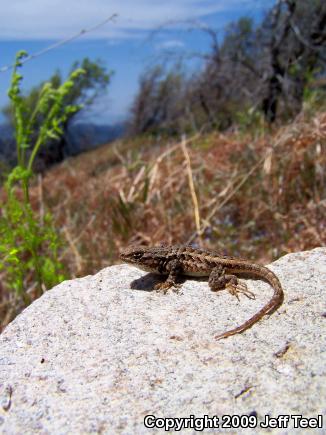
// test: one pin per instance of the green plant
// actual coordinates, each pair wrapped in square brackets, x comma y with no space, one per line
[250,120]
[314,94]
[28,244]
[82,93]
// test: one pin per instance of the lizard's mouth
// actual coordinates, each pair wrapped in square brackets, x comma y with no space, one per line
[124,257]
[130,255]
[145,268]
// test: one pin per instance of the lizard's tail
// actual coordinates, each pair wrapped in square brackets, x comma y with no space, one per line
[277,299]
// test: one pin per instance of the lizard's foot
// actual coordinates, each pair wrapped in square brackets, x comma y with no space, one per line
[235,288]
[165,286]
[174,268]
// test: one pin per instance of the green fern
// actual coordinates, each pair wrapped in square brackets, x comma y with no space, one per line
[28,246]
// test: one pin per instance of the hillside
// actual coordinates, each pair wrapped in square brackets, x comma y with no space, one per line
[80,137]
[256,195]
[252,195]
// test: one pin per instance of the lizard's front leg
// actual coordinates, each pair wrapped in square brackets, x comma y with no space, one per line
[174,268]
[219,280]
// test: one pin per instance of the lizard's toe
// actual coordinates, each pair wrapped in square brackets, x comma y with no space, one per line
[235,289]
[162,287]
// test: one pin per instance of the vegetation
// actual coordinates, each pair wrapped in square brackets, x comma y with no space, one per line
[84,89]
[261,69]
[259,196]
[28,241]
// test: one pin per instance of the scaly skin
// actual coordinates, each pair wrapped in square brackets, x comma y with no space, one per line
[222,272]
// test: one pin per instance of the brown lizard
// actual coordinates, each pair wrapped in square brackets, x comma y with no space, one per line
[175,261]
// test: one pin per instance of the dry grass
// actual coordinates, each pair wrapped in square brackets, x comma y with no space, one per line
[257,198]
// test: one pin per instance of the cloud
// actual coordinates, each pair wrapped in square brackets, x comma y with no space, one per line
[170,44]
[48,19]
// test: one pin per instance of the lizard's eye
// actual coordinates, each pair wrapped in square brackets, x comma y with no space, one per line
[138,255]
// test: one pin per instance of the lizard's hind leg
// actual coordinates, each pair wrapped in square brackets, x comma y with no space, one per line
[219,280]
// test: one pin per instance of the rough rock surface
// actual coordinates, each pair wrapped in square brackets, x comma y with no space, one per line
[95,356]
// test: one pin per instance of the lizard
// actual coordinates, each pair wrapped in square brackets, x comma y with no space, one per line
[222,272]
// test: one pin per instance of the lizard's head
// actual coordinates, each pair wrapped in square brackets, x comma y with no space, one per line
[148,259]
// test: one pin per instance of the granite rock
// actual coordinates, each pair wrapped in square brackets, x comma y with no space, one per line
[98,354]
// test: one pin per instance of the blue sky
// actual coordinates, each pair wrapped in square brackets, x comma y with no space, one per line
[141,35]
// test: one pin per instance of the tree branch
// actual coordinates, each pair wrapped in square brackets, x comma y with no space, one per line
[60,43]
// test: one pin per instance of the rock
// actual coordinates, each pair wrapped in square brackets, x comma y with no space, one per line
[94,355]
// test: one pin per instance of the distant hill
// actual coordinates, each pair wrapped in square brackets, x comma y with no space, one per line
[81,136]
[7,143]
